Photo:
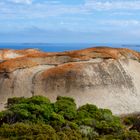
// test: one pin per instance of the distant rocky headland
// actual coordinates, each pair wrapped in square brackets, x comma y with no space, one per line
[106,77]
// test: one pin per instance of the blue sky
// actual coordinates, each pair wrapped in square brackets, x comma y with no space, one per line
[89,21]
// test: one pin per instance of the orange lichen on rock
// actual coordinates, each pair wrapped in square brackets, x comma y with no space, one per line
[8,54]
[90,53]
[129,53]
[98,52]
[138,54]
[63,69]
[84,54]
[39,54]
[18,63]
[15,59]
[103,52]
[27,51]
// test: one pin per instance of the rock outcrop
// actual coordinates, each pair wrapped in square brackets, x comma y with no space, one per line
[107,77]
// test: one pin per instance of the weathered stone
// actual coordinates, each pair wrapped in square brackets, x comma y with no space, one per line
[107,77]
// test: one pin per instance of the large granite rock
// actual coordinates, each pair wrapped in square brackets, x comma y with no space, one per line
[107,77]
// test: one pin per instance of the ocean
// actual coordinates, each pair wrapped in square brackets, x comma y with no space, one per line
[60,47]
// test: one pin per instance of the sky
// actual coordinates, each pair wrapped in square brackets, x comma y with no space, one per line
[70,21]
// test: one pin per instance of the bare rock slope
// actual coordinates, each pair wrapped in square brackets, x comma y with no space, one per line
[107,77]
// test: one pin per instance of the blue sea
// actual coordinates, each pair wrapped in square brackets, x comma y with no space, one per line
[60,47]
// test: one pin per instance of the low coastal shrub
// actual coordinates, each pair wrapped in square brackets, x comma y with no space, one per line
[36,118]
[132,121]
[66,107]
[33,109]
[101,120]
[25,131]
[128,135]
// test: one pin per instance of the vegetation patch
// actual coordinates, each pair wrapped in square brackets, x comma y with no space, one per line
[36,118]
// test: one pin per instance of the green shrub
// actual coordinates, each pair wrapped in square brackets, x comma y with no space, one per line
[72,134]
[136,125]
[72,125]
[15,100]
[103,127]
[57,121]
[101,120]
[66,98]
[130,135]
[132,122]
[87,111]
[36,118]
[35,100]
[22,130]
[62,136]
[66,107]
[88,132]
[32,109]
[91,111]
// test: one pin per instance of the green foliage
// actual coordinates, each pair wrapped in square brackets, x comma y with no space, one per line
[136,125]
[36,118]
[101,120]
[66,107]
[32,109]
[57,121]
[62,136]
[104,127]
[88,132]
[91,111]
[35,100]
[128,135]
[132,121]
[87,111]
[15,100]
[23,131]
[72,134]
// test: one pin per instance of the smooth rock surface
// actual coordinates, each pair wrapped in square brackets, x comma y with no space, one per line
[107,77]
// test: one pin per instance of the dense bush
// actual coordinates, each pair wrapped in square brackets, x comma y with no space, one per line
[128,135]
[33,109]
[22,131]
[129,120]
[66,107]
[36,118]
[136,125]
[132,121]
[101,120]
